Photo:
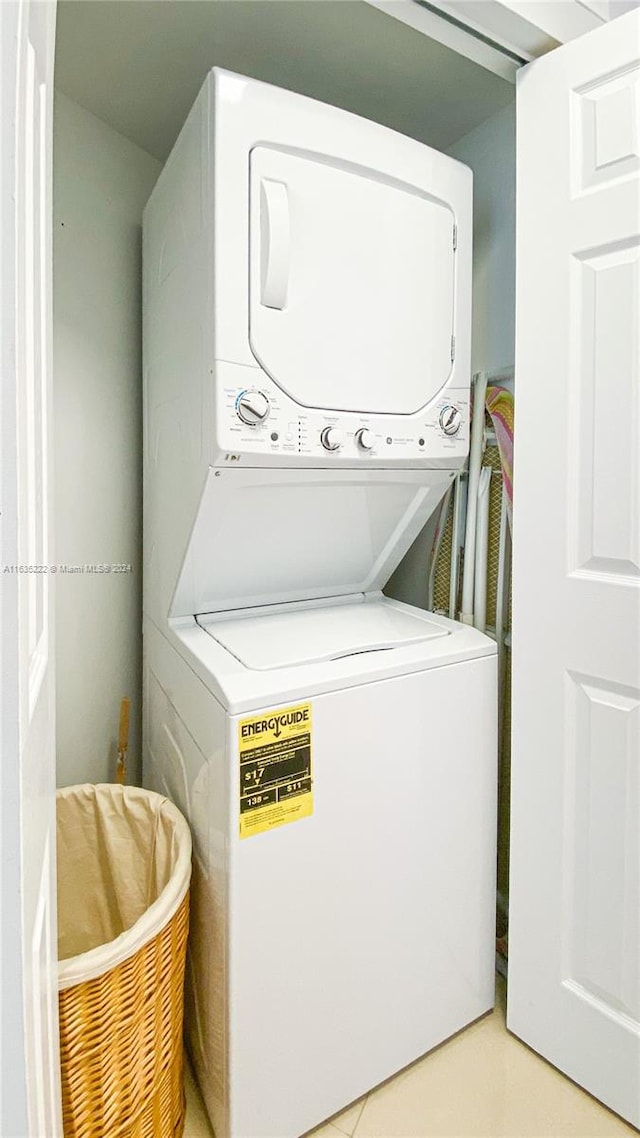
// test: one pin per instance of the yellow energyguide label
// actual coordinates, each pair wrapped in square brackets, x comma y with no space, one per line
[276,780]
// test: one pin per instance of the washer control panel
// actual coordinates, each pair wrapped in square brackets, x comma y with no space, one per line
[256,419]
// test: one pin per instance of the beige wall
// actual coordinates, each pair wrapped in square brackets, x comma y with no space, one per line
[101,183]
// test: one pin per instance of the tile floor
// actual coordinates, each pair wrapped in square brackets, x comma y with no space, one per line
[483,1083]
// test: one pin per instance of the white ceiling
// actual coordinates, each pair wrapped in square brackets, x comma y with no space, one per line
[138,64]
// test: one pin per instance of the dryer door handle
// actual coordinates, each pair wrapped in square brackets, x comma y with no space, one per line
[275,243]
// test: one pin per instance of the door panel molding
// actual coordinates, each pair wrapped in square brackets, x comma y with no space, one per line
[31,1086]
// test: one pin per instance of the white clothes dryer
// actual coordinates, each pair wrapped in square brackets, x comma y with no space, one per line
[306,344]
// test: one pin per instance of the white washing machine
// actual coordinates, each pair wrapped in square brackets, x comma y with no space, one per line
[306,337]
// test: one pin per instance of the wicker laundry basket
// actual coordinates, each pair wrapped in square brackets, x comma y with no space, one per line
[124,867]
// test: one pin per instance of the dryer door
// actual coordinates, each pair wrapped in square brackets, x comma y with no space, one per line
[351,284]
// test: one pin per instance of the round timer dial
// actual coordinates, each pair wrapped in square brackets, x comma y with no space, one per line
[365,439]
[450,419]
[331,438]
[252,408]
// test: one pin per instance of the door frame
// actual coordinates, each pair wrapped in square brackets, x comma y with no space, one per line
[29,1067]
[500,35]
[13,1104]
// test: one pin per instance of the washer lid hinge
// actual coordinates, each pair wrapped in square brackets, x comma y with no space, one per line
[455,237]
[453,348]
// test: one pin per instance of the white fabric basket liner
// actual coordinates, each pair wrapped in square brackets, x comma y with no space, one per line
[124,867]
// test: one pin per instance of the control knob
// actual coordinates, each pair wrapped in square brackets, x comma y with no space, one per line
[331,438]
[253,408]
[365,439]
[450,419]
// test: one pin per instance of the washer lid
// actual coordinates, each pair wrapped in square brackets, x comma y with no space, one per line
[264,537]
[314,635]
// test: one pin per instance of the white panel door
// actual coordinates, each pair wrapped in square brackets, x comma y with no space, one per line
[574,952]
[31,1102]
[351,284]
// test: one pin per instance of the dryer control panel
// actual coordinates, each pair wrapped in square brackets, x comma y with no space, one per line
[258,424]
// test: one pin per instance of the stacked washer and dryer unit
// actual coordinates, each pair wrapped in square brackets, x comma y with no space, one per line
[307,285]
